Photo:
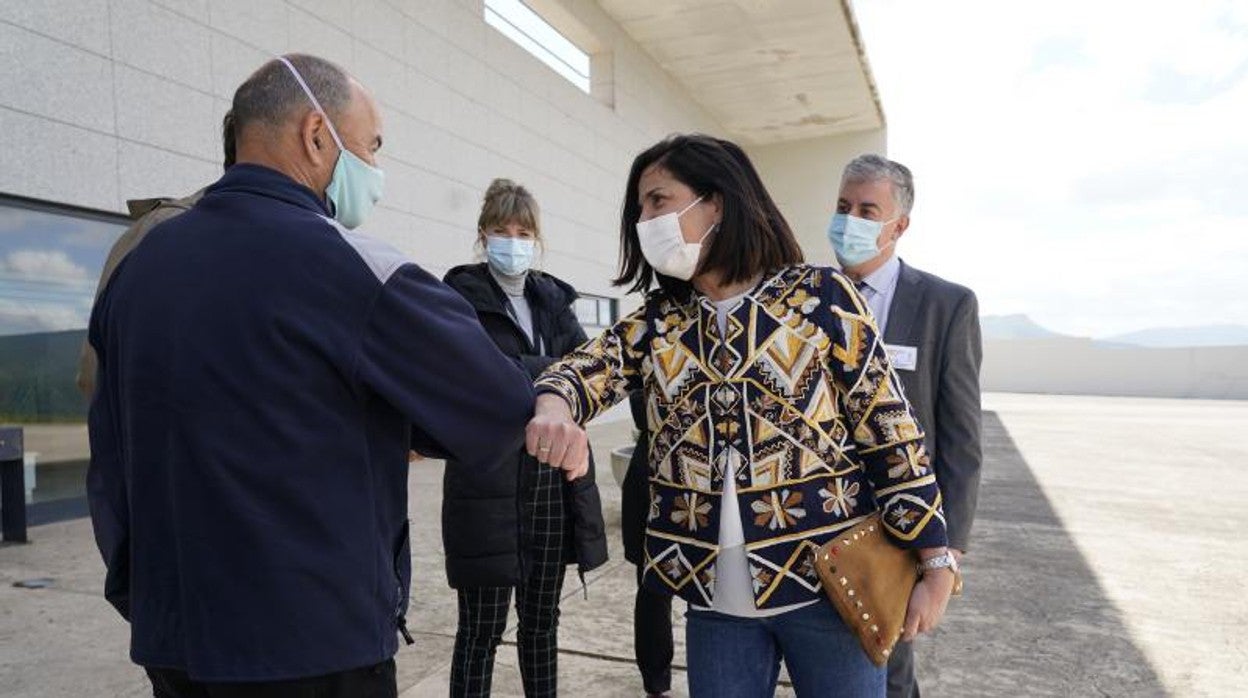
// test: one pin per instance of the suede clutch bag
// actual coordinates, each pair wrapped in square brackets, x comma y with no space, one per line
[869,581]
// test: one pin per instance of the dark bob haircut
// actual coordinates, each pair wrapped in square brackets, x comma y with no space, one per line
[753,238]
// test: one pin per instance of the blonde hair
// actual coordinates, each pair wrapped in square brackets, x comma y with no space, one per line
[507,202]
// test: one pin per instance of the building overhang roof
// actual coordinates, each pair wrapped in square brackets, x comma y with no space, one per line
[768,71]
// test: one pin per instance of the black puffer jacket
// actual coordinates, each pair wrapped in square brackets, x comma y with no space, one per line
[481,516]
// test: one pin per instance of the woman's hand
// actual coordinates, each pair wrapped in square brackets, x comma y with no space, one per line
[927,603]
[554,438]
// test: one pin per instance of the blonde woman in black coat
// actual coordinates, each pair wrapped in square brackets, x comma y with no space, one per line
[521,527]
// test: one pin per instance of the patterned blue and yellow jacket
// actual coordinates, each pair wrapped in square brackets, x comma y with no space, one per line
[798,403]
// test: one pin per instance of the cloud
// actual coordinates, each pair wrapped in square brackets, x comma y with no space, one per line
[43,291]
[22,317]
[1169,86]
[1056,177]
[1059,51]
[43,266]
[1215,180]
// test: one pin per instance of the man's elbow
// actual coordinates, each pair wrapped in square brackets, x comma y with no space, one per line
[520,394]
[513,410]
[519,408]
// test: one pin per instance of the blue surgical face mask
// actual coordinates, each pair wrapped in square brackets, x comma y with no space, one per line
[509,256]
[354,189]
[355,186]
[855,239]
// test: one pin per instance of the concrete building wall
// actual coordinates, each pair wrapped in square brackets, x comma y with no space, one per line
[804,178]
[1084,367]
[104,100]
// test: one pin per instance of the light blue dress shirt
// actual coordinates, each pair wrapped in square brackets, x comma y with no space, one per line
[878,288]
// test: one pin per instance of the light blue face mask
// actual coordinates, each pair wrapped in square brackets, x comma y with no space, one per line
[509,256]
[355,186]
[855,239]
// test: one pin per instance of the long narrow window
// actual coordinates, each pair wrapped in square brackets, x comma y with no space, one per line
[518,22]
[50,260]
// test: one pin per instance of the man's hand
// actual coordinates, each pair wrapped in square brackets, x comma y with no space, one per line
[414,457]
[555,439]
[927,603]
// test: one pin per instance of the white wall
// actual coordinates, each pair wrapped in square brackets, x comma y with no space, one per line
[104,100]
[1083,367]
[804,178]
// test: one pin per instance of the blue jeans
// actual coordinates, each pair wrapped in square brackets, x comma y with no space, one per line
[732,657]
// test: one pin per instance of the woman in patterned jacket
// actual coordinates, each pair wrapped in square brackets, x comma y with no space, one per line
[775,422]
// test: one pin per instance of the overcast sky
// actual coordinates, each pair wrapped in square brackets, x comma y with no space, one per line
[49,265]
[1085,163]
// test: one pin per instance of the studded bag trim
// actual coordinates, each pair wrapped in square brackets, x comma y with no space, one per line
[869,580]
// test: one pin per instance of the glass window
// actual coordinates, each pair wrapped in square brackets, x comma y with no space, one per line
[522,25]
[596,313]
[606,312]
[50,262]
[587,311]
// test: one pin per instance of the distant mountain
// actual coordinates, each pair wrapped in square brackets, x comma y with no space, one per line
[1012,327]
[1020,326]
[1171,337]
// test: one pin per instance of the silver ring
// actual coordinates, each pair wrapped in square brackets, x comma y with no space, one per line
[543,449]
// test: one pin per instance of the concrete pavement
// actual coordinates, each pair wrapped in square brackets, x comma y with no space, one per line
[1107,561]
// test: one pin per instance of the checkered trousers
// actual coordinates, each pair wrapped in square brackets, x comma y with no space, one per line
[483,610]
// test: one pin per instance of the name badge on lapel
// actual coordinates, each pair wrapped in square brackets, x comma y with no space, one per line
[902,358]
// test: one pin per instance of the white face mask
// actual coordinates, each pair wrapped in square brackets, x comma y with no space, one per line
[664,247]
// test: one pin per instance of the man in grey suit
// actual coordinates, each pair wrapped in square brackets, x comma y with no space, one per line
[931,329]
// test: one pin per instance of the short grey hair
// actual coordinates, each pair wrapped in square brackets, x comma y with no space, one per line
[272,95]
[874,168]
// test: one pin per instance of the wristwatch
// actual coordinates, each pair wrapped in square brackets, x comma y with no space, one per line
[944,561]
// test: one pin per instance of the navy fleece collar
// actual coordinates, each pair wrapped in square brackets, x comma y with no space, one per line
[258,179]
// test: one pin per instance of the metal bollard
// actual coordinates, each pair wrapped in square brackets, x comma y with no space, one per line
[12,486]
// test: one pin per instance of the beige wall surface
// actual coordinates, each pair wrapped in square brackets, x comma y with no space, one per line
[1084,367]
[804,178]
[104,100]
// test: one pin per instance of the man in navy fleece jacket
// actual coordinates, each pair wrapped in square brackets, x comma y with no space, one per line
[261,367]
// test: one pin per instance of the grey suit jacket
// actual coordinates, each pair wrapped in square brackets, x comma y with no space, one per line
[941,320]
